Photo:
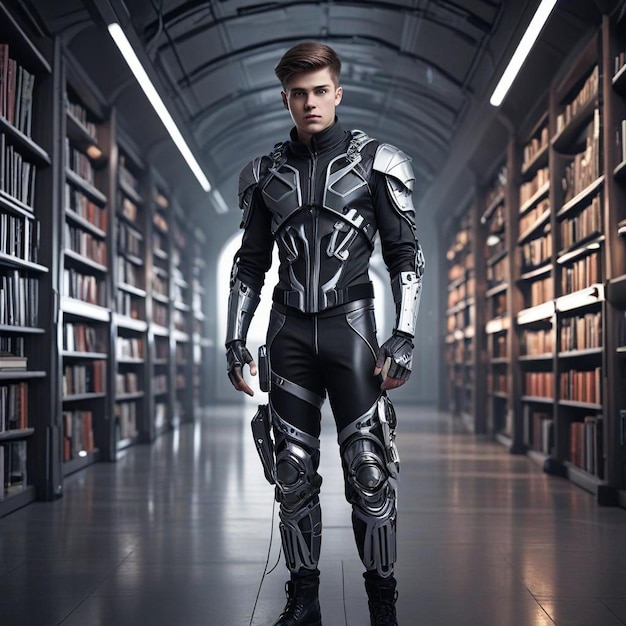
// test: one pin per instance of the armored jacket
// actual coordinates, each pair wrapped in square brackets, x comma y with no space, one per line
[323,205]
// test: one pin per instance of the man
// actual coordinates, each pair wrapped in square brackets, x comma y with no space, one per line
[322,197]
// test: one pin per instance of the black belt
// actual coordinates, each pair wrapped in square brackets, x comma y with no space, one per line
[335,297]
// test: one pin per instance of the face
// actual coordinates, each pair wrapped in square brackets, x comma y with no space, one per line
[311,98]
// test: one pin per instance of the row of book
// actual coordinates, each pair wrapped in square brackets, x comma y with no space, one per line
[584,168]
[129,347]
[160,313]
[129,240]
[539,384]
[79,113]
[19,299]
[534,147]
[84,287]
[529,189]
[17,173]
[125,175]
[536,342]
[541,291]
[581,274]
[530,217]
[78,439]
[588,222]
[538,429]
[581,385]
[536,252]
[80,204]
[620,142]
[78,162]
[13,406]
[128,273]
[12,345]
[82,338]
[581,333]
[84,378]
[126,382]
[588,92]
[497,382]
[19,237]
[13,469]
[160,383]
[16,92]
[586,449]
[85,244]
[126,414]
[130,306]
[497,272]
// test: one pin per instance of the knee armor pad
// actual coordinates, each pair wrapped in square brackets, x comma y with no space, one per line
[297,489]
[371,488]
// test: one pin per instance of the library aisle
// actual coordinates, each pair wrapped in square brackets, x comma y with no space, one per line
[177,533]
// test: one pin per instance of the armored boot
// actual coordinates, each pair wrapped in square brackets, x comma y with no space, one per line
[303,606]
[382,595]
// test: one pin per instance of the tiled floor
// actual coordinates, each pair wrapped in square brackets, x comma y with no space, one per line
[176,534]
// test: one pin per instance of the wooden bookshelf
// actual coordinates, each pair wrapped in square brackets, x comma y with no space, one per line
[200,345]
[26,258]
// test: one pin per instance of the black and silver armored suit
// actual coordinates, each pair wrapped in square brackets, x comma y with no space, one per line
[323,205]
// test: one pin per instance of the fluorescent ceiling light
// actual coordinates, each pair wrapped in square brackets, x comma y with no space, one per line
[520,54]
[155,100]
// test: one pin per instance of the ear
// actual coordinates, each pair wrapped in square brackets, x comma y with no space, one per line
[285,103]
[338,95]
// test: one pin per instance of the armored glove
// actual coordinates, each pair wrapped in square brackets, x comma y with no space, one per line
[394,360]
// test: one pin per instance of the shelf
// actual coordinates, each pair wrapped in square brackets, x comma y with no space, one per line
[620,171]
[574,354]
[135,291]
[583,479]
[539,222]
[619,80]
[21,330]
[562,142]
[84,224]
[537,400]
[160,254]
[85,309]
[616,291]
[580,198]
[160,298]
[14,374]
[82,139]
[77,397]
[494,291]
[181,336]
[122,444]
[35,60]
[15,206]
[537,272]
[130,192]
[85,261]
[505,440]
[181,306]
[128,397]
[130,360]
[130,323]
[499,394]
[537,457]
[540,159]
[75,354]
[132,258]
[161,331]
[583,247]
[587,406]
[537,313]
[530,358]
[11,261]
[131,223]
[15,435]
[593,294]
[38,154]
[86,187]
[17,500]
[496,257]
[497,325]
[535,198]
[493,205]
[75,465]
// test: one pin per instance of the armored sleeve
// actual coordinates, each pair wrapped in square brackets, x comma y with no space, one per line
[395,212]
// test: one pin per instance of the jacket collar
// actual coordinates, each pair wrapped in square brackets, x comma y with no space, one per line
[323,141]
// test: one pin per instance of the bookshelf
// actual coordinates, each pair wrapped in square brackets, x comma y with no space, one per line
[200,344]
[181,316]
[85,316]
[463,345]
[160,348]
[495,222]
[130,324]
[26,182]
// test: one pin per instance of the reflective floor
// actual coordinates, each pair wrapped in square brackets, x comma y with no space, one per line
[177,534]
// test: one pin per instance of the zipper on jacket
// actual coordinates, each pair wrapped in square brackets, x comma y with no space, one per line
[315,261]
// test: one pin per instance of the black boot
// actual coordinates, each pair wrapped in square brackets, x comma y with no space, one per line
[303,605]
[382,595]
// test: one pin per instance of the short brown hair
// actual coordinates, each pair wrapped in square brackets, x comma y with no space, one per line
[308,56]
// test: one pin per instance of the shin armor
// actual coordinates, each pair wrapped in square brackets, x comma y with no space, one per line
[371,466]
[297,489]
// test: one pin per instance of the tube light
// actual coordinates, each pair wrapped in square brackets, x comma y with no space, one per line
[520,54]
[155,100]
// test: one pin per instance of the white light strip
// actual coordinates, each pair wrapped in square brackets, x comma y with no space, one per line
[155,100]
[520,54]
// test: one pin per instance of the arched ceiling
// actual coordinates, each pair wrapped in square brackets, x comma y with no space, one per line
[416,73]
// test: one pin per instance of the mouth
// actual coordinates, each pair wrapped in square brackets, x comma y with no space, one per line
[311,117]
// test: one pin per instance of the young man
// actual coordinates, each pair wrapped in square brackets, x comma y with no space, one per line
[322,197]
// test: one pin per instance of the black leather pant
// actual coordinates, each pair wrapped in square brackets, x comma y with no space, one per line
[334,353]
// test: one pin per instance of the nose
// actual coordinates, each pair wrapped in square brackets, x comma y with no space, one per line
[310,101]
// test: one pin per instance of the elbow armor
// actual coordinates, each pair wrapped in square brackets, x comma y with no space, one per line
[242,303]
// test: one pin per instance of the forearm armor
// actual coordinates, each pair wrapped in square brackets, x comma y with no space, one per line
[242,303]
[407,292]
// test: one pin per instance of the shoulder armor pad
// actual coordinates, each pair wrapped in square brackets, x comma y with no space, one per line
[248,178]
[391,161]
